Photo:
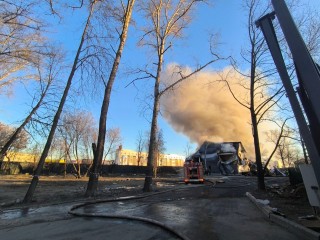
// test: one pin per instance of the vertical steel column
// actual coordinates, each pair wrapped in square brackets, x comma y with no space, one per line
[304,63]
[265,23]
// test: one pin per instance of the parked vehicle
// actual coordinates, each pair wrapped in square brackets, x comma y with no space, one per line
[193,172]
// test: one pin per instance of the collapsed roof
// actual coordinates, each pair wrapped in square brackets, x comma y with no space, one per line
[215,147]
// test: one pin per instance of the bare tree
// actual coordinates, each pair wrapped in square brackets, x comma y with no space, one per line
[160,150]
[124,14]
[277,137]
[258,103]
[88,138]
[74,131]
[113,140]
[166,21]
[20,141]
[21,40]
[35,150]
[290,147]
[140,144]
[35,179]
[187,149]
[47,72]
[18,144]
[265,92]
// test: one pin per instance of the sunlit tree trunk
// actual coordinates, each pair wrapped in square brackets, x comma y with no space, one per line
[152,146]
[98,154]
[254,121]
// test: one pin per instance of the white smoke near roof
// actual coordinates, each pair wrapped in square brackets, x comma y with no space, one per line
[227,148]
[204,110]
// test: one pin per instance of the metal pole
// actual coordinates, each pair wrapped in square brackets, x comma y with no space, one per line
[304,63]
[265,23]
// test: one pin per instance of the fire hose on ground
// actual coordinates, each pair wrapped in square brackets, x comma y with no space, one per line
[73,209]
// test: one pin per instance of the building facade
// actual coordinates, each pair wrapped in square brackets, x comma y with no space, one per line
[122,157]
[22,157]
[130,157]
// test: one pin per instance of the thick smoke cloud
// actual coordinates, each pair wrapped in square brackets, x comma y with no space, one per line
[203,109]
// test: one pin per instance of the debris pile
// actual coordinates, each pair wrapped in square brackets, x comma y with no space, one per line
[287,191]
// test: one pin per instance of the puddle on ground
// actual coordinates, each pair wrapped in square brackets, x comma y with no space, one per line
[163,184]
[12,214]
[118,188]
[28,212]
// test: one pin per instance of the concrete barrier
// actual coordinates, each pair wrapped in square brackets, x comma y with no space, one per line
[299,230]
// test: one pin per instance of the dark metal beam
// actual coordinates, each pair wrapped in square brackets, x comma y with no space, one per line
[304,62]
[265,23]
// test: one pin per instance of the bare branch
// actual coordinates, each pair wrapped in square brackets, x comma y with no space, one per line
[277,144]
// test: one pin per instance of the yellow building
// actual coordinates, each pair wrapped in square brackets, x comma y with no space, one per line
[123,157]
[130,157]
[22,157]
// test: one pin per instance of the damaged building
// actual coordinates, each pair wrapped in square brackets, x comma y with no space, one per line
[222,157]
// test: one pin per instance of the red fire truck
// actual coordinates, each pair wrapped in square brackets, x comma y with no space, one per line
[193,172]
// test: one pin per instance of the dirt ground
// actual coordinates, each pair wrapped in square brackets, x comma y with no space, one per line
[293,206]
[58,189]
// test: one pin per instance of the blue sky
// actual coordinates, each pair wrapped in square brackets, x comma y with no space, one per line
[226,17]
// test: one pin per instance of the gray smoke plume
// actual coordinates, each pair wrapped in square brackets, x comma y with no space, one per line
[204,110]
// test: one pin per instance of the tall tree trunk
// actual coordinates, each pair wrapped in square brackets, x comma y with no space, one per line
[255,132]
[260,172]
[152,144]
[98,154]
[29,195]
[154,123]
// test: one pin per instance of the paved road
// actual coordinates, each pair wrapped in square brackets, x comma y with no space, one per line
[197,212]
